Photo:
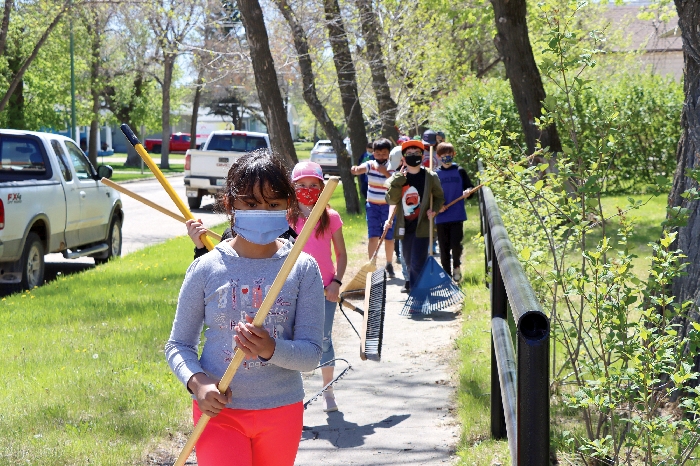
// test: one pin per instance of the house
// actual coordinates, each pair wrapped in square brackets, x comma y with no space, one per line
[659,43]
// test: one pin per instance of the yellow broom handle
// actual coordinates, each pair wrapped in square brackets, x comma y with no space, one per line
[265,307]
[153,205]
[131,137]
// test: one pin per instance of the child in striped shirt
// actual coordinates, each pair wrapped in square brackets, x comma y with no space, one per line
[378,171]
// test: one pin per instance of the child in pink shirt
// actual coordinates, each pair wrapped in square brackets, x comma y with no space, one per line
[308,184]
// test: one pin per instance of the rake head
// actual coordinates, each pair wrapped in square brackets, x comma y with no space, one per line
[434,291]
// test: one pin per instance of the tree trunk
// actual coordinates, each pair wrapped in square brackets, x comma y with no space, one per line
[352,201]
[266,81]
[15,104]
[347,81]
[387,106]
[19,75]
[513,43]
[9,4]
[687,287]
[195,108]
[168,64]
[94,91]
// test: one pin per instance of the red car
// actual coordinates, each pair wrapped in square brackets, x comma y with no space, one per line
[179,142]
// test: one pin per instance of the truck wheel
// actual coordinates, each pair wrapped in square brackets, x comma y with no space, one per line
[32,262]
[114,240]
[195,202]
[156,149]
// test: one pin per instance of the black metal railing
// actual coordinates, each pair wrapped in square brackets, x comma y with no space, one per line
[519,380]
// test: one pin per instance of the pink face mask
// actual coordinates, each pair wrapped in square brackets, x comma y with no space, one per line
[308,196]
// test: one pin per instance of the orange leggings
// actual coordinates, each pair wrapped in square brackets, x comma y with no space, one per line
[245,437]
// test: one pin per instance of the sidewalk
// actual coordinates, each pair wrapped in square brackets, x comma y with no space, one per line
[395,412]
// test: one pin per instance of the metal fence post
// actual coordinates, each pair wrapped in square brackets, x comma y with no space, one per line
[499,308]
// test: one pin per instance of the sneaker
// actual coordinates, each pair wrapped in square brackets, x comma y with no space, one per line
[457,274]
[329,402]
[406,288]
[390,270]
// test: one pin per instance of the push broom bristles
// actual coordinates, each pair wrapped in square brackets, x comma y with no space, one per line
[373,322]
[434,291]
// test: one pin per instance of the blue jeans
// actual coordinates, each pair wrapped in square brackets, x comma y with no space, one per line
[328,352]
[415,253]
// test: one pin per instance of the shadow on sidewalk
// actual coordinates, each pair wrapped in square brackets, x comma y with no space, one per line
[343,434]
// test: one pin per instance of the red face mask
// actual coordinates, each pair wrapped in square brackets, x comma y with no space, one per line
[308,196]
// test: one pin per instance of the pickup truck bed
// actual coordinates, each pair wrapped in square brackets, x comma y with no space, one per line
[206,169]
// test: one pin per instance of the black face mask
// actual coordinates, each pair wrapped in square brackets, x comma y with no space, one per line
[413,160]
[382,162]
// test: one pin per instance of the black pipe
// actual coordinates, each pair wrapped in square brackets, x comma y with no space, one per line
[532,340]
[499,309]
[505,358]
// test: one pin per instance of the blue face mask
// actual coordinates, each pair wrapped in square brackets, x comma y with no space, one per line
[447,159]
[260,226]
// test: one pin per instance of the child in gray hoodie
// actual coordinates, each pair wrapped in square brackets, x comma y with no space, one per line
[259,418]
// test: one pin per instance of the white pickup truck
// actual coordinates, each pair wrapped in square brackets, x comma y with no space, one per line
[206,168]
[51,200]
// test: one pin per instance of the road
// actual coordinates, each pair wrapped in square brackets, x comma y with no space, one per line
[143,226]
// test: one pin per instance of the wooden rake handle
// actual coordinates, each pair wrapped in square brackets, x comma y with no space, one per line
[131,137]
[464,196]
[265,307]
[153,205]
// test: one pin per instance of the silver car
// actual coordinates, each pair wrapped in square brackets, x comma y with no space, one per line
[324,155]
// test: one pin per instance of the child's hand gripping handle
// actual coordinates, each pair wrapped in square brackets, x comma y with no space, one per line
[265,307]
[131,137]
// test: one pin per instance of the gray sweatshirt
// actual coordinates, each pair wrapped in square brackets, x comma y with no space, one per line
[219,289]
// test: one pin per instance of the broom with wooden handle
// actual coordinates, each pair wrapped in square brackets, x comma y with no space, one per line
[160,209]
[131,137]
[267,303]
[359,281]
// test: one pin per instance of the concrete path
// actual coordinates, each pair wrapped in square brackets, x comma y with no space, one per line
[399,411]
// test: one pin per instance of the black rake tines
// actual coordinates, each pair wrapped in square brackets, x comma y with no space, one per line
[375,316]
[329,384]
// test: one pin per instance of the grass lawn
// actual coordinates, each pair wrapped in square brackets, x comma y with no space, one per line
[303,150]
[122,173]
[86,380]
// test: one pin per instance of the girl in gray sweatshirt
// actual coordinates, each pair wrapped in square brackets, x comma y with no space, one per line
[258,420]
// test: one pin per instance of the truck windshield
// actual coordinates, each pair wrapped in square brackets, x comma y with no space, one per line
[22,158]
[236,143]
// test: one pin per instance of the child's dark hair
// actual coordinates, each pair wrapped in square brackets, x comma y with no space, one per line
[370,145]
[382,143]
[294,212]
[445,148]
[258,168]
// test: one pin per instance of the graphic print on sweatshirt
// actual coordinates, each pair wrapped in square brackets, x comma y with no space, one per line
[246,300]
[410,200]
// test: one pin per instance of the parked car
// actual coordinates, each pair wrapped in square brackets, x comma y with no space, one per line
[324,155]
[206,168]
[179,142]
[52,200]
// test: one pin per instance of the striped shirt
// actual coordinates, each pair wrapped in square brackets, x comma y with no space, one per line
[376,190]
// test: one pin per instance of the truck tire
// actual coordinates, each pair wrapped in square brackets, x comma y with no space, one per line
[32,262]
[156,148]
[195,202]
[114,241]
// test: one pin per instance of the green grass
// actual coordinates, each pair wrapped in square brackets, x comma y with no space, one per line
[85,378]
[303,150]
[122,173]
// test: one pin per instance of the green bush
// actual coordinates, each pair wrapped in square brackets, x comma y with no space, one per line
[644,147]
